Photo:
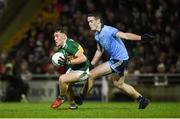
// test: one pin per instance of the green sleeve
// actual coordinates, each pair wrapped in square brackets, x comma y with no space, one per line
[72,47]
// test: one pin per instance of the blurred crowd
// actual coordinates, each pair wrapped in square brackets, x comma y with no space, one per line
[160,17]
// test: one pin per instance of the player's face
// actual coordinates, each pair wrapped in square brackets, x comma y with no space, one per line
[59,38]
[93,23]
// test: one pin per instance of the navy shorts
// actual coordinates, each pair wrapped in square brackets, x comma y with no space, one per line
[118,66]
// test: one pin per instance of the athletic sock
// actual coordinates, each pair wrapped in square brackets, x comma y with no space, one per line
[61,97]
[140,99]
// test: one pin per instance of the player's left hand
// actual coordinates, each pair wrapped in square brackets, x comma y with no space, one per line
[147,37]
[64,61]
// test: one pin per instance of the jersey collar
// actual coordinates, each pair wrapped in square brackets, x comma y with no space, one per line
[102,26]
[64,45]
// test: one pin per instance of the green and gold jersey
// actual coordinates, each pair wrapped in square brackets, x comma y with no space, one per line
[69,49]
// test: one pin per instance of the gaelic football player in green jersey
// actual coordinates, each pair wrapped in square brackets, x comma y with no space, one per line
[77,67]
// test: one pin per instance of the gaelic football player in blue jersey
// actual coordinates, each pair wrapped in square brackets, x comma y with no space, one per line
[109,39]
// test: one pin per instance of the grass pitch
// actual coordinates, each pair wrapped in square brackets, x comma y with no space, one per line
[90,110]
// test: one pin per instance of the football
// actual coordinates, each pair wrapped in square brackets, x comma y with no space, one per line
[56,56]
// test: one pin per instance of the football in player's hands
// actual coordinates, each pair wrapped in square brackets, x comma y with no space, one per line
[56,57]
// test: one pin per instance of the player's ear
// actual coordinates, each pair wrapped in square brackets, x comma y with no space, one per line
[98,21]
[64,36]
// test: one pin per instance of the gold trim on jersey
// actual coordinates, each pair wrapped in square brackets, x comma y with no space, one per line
[80,48]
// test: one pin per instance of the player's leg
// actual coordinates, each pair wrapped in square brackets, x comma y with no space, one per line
[70,98]
[83,92]
[120,68]
[119,83]
[101,70]
[58,101]
[70,94]
[64,81]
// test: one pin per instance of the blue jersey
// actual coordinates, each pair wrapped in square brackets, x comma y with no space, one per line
[113,45]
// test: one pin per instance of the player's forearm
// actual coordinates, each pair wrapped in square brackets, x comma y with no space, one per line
[96,57]
[78,60]
[131,36]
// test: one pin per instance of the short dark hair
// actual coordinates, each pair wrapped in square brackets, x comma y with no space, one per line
[96,15]
[58,28]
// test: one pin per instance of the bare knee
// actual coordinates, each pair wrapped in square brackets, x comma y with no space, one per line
[119,84]
[61,79]
[92,76]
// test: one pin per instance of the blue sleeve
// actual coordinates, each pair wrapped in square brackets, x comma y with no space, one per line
[113,31]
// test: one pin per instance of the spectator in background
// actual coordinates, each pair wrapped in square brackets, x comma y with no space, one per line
[161,68]
[51,71]
[7,76]
[50,13]
[58,6]
[3,57]
[178,64]
[22,75]
[14,89]
[25,74]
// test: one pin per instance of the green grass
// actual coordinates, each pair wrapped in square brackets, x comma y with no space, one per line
[90,110]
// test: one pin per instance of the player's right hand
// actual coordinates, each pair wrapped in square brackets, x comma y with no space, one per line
[64,61]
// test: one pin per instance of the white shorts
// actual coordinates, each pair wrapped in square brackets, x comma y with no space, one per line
[83,74]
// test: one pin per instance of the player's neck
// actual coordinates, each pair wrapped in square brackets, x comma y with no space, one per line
[99,27]
[64,44]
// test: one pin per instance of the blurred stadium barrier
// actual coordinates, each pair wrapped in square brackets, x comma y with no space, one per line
[157,87]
